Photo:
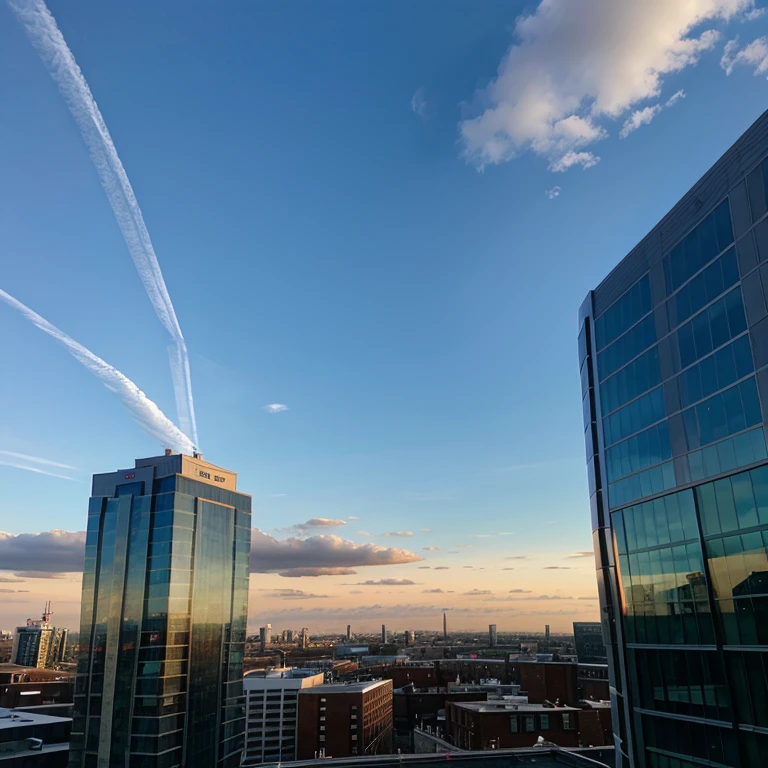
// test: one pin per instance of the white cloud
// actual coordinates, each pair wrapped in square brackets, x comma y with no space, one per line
[675,97]
[431,549]
[364,533]
[753,55]
[352,517]
[753,15]
[573,65]
[317,522]
[292,594]
[386,583]
[637,118]
[419,102]
[275,408]
[300,573]
[426,530]
[398,533]
[553,192]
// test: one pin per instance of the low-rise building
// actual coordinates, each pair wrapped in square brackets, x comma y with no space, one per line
[345,719]
[502,725]
[271,712]
[34,740]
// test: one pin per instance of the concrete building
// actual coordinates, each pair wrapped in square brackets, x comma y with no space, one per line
[163,618]
[304,638]
[546,631]
[383,634]
[265,638]
[345,719]
[492,636]
[33,686]
[271,713]
[501,725]
[349,632]
[32,740]
[445,625]
[673,354]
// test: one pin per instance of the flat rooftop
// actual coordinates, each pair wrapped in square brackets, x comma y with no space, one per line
[14,718]
[506,706]
[346,687]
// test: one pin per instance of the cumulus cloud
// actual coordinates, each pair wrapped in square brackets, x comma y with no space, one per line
[292,594]
[269,555]
[586,553]
[398,533]
[431,549]
[573,66]
[553,192]
[275,407]
[364,533]
[51,552]
[353,517]
[675,97]
[297,573]
[753,14]
[637,118]
[755,54]
[386,583]
[317,522]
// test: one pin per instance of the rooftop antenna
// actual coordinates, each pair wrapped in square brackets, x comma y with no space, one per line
[47,612]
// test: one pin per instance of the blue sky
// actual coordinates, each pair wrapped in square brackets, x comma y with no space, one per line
[313,194]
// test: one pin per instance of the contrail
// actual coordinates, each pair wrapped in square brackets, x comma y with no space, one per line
[144,411]
[37,460]
[44,33]
[39,471]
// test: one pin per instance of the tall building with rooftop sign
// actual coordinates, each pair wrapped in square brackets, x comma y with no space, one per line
[673,351]
[163,618]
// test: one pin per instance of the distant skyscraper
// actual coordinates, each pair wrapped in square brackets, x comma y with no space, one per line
[304,638]
[349,631]
[265,637]
[383,633]
[588,640]
[410,637]
[33,643]
[673,348]
[546,631]
[445,625]
[163,618]
[492,637]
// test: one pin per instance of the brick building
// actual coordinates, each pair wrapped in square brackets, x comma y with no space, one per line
[560,681]
[345,719]
[501,725]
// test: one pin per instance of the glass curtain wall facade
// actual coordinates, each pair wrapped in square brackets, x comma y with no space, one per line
[163,621]
[673,352]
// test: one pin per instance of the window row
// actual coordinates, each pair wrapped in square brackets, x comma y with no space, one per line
[639,452]
[739,451]
[705,287]
[630,345]
[716,372]
[757,187]
[667,576]
[710,329]
[744,620]
[682,682]
[632,418]
[623,313]
[685,623]
[699,247]
[738,565]
[717,746]
[748,673]
[734,503]
[666,520]
[648,483]
[638,377]
[733,410]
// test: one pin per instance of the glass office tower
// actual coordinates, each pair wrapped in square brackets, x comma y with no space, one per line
[163,622]
[673,350]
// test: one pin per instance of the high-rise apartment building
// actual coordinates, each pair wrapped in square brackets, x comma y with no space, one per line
[546,631]
[383,633]
[33,644]
[445,625]
[349,632]
[492,636]
[271,713]
[673,350]
[163,618]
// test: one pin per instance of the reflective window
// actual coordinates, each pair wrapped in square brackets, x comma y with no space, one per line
[704,744]
[699,247]
[647,483]
[733,410]
[748,673]
[738,451]
[624,312]
[630,345]
[715,326]
[716,372]
[632,380]
[705,287]
[632,418]
[645,449]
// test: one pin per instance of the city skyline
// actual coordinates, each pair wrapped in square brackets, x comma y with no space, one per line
[380,390]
